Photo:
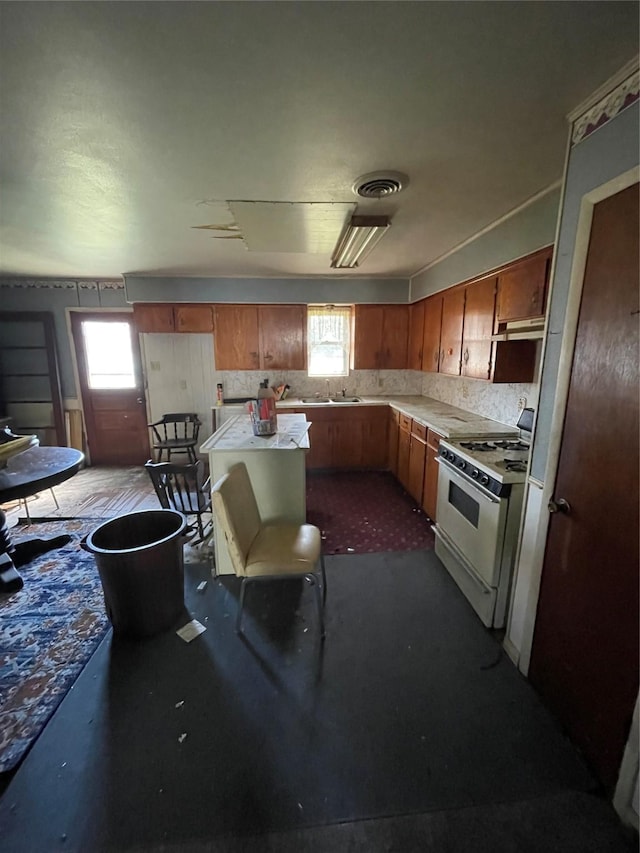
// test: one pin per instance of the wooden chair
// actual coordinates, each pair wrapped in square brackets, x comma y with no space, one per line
[176,432]
[180,487]
[265,551]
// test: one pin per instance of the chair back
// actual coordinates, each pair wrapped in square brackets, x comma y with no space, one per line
[178,487]
[175,427]
[237,514]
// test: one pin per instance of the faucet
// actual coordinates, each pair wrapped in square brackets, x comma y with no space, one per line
[328,388]
[344,392]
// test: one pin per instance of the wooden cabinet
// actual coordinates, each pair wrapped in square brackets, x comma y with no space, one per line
[430,487]
[236,339]
[404,449]
[479,306]
[431,337]
[347,436]
[381,337]
[392,439]
[522,288]
[416,335]
[417,455]
[451,331]
[164,317]
[283,337]
[260,337]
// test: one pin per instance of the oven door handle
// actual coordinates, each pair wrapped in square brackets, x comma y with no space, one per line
[467,481]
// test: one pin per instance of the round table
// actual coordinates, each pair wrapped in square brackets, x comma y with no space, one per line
[31,471]
[37,469]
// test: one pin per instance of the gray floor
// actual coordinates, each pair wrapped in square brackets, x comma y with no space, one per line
[411,731]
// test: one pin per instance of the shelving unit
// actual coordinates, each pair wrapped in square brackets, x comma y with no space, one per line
[30,393]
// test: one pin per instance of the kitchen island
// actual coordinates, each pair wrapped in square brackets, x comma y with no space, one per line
[276,466]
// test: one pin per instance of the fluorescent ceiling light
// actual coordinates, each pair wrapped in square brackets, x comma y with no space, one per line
[360,236]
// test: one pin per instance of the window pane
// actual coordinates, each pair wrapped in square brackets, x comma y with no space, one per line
[109,356]
[328,340]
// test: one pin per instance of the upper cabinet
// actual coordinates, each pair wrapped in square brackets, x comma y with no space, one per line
[451,332]
[522,288]
[381,337]
[431,338]
[164,317]
[260,337]
[479,307]
[416,335]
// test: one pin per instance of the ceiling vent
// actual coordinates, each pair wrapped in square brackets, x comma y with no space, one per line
[380,184]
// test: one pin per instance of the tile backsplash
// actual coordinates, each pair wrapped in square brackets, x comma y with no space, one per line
[498,402]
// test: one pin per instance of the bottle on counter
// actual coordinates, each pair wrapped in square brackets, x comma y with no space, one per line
[263,411]
[219,394]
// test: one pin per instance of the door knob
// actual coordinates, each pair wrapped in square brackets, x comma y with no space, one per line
[140,400]
[561,505]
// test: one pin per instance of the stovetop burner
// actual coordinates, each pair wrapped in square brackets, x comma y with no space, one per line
[515,444]
[512,465]
[477,445]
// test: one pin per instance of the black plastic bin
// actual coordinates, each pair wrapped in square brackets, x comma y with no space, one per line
[140,561]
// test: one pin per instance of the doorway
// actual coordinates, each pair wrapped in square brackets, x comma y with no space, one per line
[585,647]
[112,387]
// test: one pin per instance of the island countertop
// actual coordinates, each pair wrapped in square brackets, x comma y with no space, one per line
[237,434]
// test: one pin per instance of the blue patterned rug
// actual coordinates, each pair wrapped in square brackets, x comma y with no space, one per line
[48,631]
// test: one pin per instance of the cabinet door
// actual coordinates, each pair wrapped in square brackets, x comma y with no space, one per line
[153,317]
[522,288]
[367,337]
[451,334]
[283,337]
[235,337]
[432,326]
[395,337]
[392,444]
[478,328]
[430,490]
[416,335]
[374,437]
[404,446]
[417,452]
[193,318]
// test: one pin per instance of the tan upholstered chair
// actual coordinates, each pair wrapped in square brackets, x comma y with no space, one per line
[265,551]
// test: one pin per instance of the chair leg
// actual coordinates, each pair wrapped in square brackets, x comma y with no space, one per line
[243,589]
[26,509]
[313,580]
[324,580]
[55,499]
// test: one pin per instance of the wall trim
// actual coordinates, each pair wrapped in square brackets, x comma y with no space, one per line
[607,108]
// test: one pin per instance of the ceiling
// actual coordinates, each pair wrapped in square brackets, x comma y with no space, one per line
[125,126]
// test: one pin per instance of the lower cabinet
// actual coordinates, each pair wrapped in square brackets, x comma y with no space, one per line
[430,487]
[347,436]
[404,450]
[394,430]
[417,456]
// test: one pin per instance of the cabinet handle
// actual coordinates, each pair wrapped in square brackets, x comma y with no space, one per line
[267,356]
[466,355]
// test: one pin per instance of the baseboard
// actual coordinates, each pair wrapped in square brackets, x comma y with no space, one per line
[511,650]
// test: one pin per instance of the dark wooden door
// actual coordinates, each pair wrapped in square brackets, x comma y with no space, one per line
[283,337]
[585,647]
[432,329]
[368,337]
[235,337]
[395,337]
[112,388]
[416,335]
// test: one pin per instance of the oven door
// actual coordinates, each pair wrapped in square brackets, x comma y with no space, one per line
[473,520]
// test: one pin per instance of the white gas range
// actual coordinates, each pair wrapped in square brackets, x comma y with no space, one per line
[480,493]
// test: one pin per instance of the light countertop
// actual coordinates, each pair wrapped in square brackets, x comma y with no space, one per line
[237,434]
[449,421]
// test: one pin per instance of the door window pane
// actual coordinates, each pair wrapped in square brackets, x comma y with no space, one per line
[109,356]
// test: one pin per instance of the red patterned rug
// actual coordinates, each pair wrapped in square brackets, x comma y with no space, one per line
[364,512]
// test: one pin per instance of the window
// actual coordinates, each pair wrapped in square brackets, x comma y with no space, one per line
[328,340]
[109,355]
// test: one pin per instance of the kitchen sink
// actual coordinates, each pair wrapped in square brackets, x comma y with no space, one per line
[324,400]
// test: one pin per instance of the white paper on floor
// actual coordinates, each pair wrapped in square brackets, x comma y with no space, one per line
[190,631]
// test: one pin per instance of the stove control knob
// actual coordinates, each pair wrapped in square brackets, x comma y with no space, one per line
[451,456]
[462,464]
[484,480]
[475,473]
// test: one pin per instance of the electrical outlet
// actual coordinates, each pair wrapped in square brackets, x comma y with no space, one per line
[522,403]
